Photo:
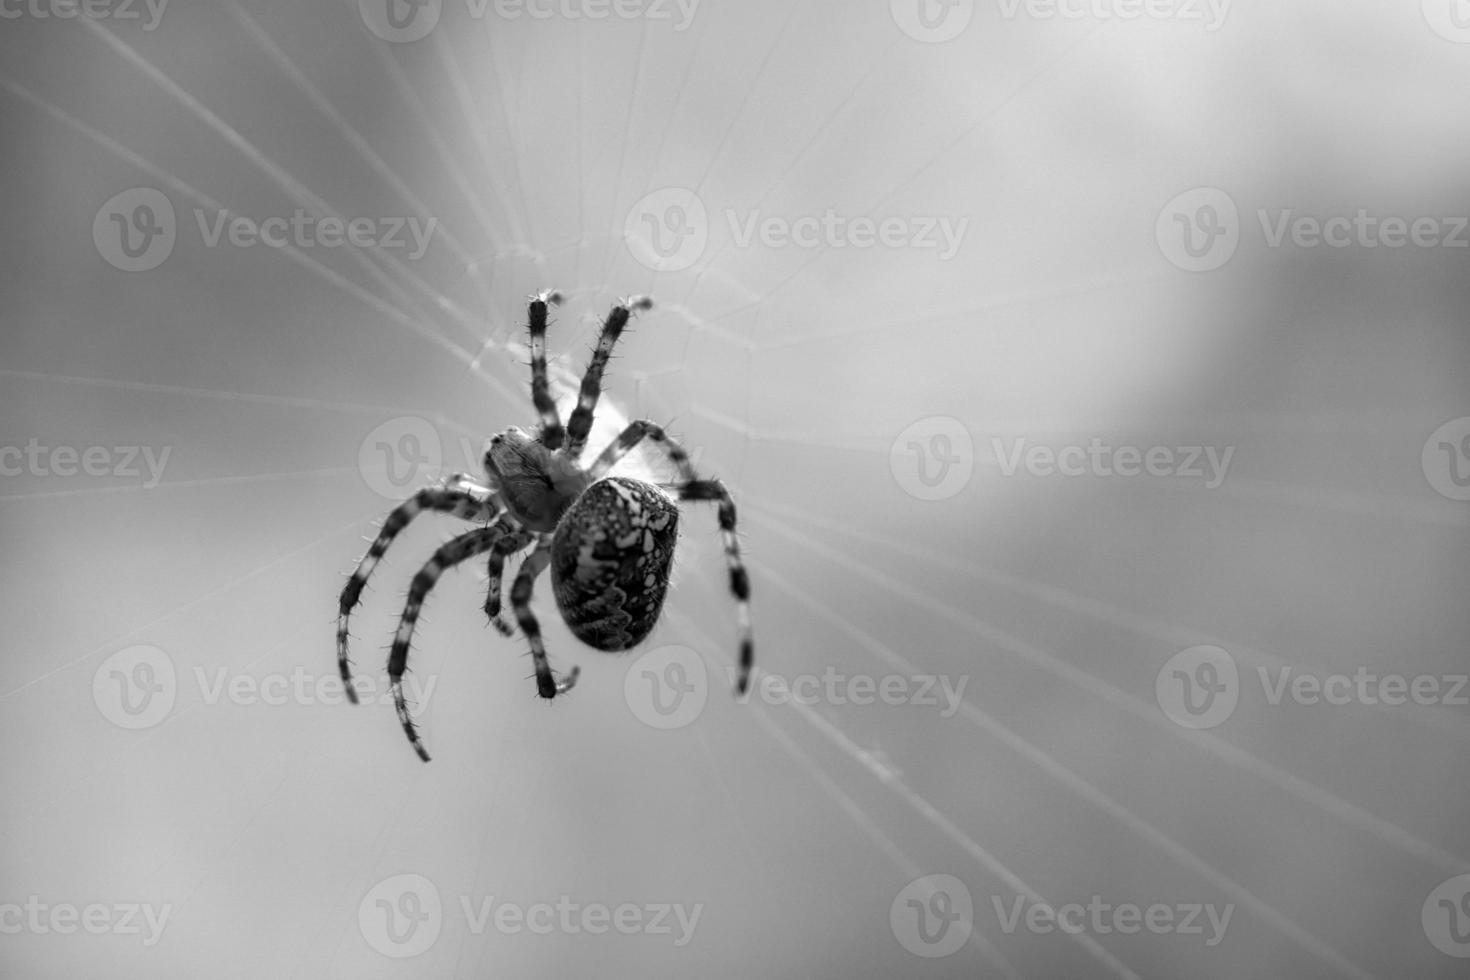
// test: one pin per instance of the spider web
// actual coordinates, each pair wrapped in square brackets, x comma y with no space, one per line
[788,372]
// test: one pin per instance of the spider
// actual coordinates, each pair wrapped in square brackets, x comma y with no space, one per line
[608,540]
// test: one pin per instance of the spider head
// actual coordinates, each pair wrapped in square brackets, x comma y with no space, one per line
[538,484]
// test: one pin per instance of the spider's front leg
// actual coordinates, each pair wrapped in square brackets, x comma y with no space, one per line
[580,423]
[520,600]
[459,549]
[551,430]
[456,498]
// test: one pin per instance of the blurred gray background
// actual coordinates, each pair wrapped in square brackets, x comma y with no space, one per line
[1126,271]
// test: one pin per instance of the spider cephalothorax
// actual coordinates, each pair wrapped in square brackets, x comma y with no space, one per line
[608,540]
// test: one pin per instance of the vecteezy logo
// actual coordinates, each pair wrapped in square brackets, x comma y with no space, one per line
[135,230]
[932,916]
[1198,231]
[1446,917]
[667,687]
[1198,687]
[399,456]
[1450,19]
[400,20]
[933,458]
[668,229]
[135,687]
[401,916]
[932,21]
[1446,459]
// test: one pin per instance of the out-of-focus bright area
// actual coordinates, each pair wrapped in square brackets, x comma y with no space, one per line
[1090,378]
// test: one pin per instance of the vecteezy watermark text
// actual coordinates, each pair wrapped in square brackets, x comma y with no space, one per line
[1200,229]
[39,460]
[91,9]
[838,688]
[1201,687]
[136,230]
[668,687]
[403,915]
[96,918]
[669,229]
[1101,918]
[137,687]
[406,21]
[1207,463]
[832,230]
[1211,13]
[303,230]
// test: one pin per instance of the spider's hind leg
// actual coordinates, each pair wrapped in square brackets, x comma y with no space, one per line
[465,546]
[691,487]
[714,490]
[453,499]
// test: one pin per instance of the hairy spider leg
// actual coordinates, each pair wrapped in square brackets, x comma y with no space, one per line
[520,601]
[580,423]
[503,549]
[451,499]
[692,487]
[739,579]
[551,430]
[467,545]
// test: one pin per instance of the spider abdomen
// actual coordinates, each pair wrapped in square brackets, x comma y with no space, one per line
[610,561]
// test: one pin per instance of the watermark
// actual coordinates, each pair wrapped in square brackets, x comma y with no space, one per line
[667,687]
[403,916]
[1201,687]
[1209,464]
[679,13]
[406,21]
[408,452]
[137,687]
[305,231]
[36,459]
[933,459]
[304,687]
[932,916]
[1199,230]
[401,455]
[567,917]
[1198,687]
[1363,229]
[96,918]
[668,229]
[1450,19]
[829,229]
[932,21]
[1446,459]
[135,230]
[1102,918]
[834,687]
[148,11]
[1210,13]
[1446,917]
[400,21]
